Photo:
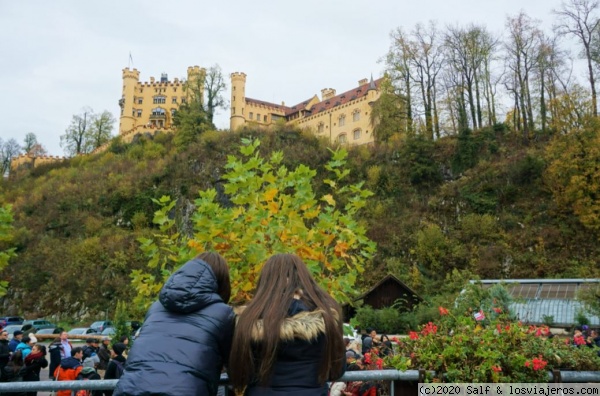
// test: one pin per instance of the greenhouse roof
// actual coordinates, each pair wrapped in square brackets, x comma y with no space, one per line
[535,299]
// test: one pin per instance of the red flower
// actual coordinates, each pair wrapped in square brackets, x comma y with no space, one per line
[497,310]
[567,341]
[496,369]
[539,363]
[429,328]
[413,335]
[443,311]
[395,339]
[579,340]
[379,363]
[527,363]
[499,328]
[367,358]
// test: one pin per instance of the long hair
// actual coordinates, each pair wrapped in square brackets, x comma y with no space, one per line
[283,277]
[219,266]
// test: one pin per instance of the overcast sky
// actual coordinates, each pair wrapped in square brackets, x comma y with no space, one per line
[59,56]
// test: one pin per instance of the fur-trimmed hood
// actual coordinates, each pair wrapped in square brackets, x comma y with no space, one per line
[306,325]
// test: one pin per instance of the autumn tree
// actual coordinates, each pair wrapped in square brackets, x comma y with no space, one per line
[574,170]
[267,209]
[522,49]
[399,72]
[578,18]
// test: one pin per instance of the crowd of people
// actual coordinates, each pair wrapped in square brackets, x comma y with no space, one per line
[22,359]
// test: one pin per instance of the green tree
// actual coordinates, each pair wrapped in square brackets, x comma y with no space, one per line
[268,209]
[389,114]
[75,141]
[6,236]
[8,150]
[29,142]
[101,129]
[214,86]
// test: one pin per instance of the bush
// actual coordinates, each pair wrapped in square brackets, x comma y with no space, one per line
[385,321]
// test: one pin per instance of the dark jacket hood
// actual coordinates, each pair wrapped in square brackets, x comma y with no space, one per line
[190,289]
[70,363]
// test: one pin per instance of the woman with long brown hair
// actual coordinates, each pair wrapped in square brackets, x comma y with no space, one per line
[289,338]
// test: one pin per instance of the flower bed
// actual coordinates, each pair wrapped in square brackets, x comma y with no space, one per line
[489,347]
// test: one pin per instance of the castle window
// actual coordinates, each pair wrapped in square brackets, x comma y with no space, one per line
[159,100]
[356,115]
[139,113]
[342,120]
[342,138]
[356,134]
[174,100]
[251,115]
[140,100]
[321,127]
[257,117]
[183,100]
[172,112]
[265,119]
[158,111]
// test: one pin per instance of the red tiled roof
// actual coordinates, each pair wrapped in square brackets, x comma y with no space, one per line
[267,104]
[327,104]
[343,98]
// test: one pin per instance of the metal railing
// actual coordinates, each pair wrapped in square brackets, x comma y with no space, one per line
[369,375]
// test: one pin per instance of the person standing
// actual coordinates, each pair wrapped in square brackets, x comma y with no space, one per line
[69,369]
[16,340]
[289,339]
[103,355]
[116,366]
[66,346]
[186,336]
[34,363]
[54,349]
[4,349]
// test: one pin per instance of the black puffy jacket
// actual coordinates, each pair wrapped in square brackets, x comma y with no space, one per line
[185,338]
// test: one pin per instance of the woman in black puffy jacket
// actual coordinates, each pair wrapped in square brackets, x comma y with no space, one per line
[289,340]
[186,337]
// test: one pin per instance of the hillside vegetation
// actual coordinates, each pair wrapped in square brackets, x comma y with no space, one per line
[482,203]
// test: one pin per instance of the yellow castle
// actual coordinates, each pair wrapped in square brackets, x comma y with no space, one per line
[152,104]
[343,118]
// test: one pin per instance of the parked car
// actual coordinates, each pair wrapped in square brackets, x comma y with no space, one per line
[100,325]
[11,329]
[10,320]
[49,330]
[109,331]
[36,325]
[82,331]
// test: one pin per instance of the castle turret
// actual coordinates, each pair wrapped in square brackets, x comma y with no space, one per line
[372,91]
[195,80]
[130,80]
[238,100]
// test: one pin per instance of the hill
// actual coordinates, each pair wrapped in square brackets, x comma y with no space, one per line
[483,203]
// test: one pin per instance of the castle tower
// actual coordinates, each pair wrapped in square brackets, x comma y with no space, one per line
[130,81]
[195,80]
[238,100]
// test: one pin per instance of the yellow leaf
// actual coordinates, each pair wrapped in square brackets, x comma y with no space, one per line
[273,207]
[247,286]
[270,194]
[329,199]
